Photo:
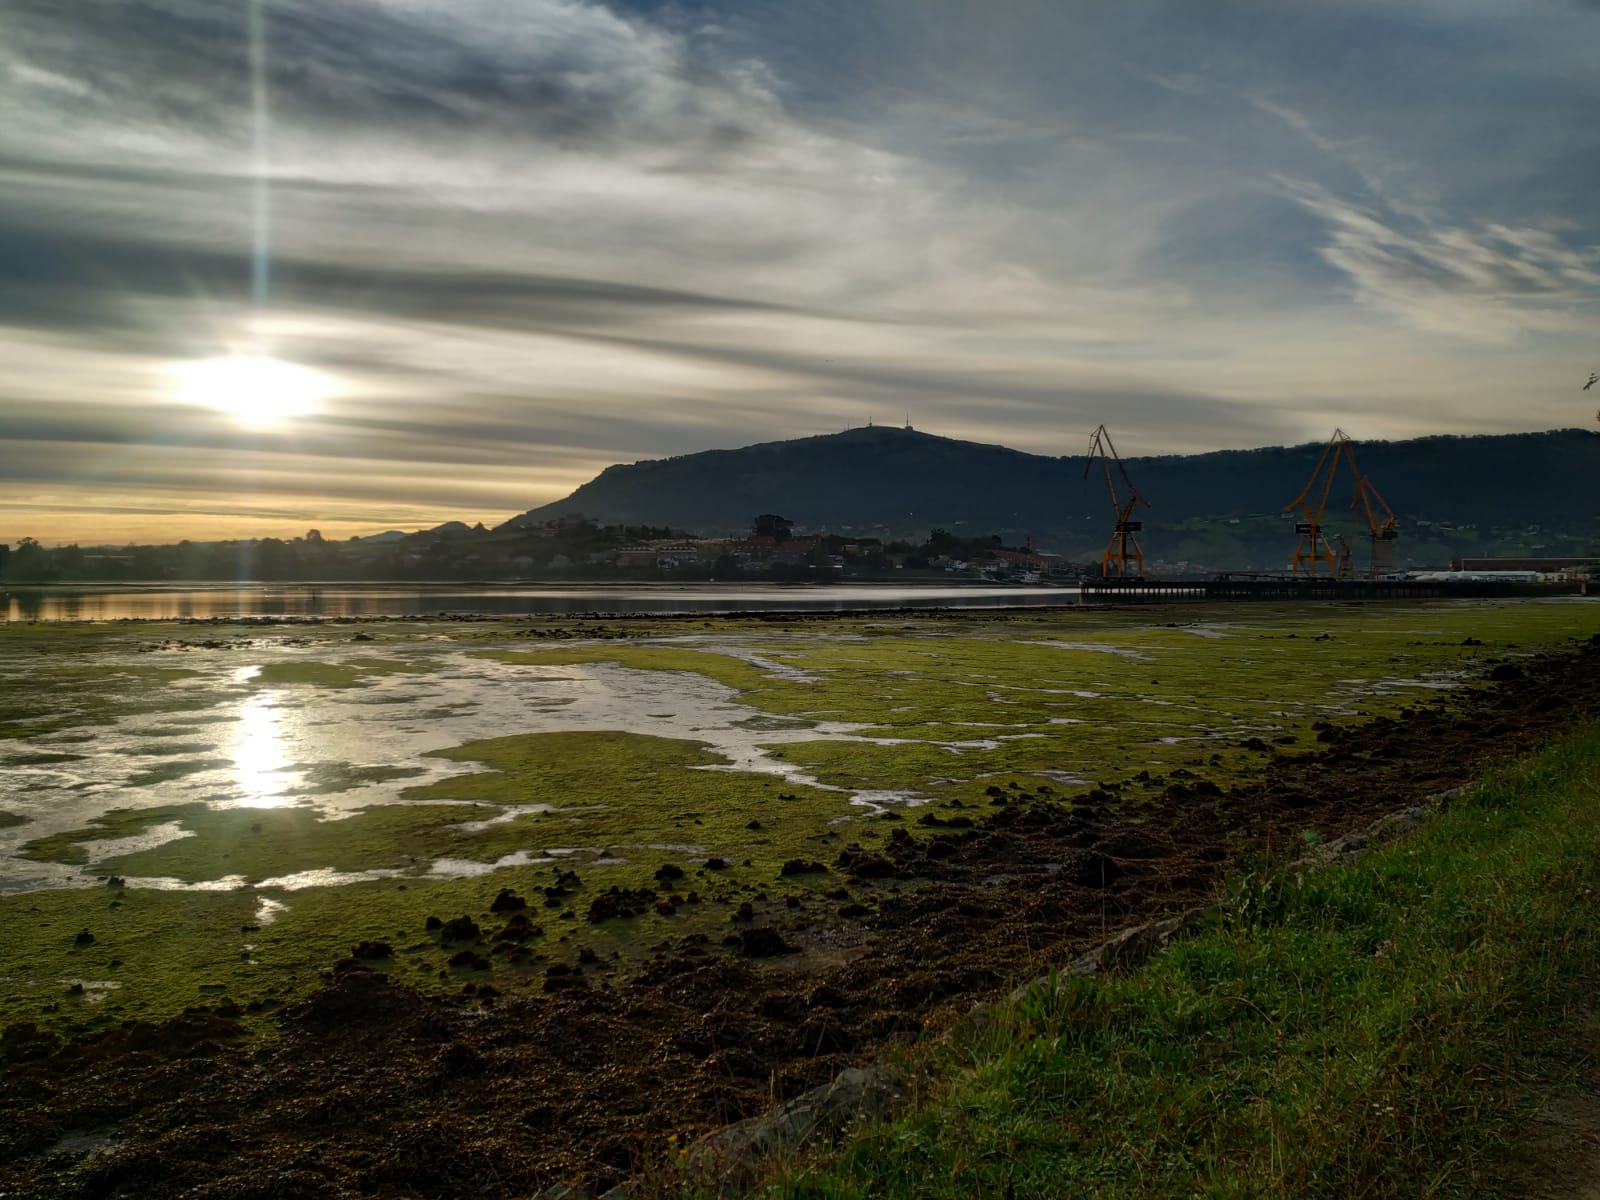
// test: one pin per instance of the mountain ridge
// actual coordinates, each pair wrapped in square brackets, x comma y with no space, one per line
[893,482]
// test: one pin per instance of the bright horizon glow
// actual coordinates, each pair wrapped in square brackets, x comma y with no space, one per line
[256,390]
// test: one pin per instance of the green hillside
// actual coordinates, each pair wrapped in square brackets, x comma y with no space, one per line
[1533,493]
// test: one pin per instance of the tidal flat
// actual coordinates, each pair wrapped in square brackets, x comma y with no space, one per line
[196,811]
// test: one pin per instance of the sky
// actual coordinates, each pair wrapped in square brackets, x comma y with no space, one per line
[270,265]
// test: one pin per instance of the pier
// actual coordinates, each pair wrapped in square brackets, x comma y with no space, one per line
[1286,588]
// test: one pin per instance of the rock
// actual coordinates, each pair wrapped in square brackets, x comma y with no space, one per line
[507,901]
[460,929]
[518,929]
[621,902]
[668,872]
[369,951]
[471,960]
[862,864]
[734,1156]
[432,923]
[1131,948]
[802,866]
[763,943]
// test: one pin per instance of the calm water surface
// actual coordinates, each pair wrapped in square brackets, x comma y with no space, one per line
[116,603]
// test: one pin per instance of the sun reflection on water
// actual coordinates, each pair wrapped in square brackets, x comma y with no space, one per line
[259,762]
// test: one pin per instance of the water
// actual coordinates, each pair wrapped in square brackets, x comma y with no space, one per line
[223,737]
[223,601]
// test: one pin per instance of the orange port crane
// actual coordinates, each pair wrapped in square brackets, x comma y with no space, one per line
[1315,549]
[1123,559]
[1382,527]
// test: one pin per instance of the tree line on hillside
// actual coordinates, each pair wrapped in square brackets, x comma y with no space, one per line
[578,549]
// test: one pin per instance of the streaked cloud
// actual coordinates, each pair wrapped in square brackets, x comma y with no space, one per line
[528,240]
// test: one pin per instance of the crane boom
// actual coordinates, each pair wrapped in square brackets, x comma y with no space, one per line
[1382,527]
[1123,559]
[1314,549]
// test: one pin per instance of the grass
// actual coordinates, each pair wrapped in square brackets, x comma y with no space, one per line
[1093,694]
[1375,1030]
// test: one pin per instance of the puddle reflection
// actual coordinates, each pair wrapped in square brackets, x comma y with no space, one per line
[260,765]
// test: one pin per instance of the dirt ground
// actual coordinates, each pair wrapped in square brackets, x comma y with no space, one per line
[375,1090]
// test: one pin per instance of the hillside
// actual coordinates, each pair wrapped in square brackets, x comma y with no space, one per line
[1514,493]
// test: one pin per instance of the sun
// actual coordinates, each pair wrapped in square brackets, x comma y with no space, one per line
[255,390]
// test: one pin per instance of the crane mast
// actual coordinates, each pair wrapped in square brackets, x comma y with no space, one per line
[1382,527]
[1315,548]
[1123,559]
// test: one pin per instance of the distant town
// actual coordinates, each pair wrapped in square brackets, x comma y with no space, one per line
[577,548]
[564,548]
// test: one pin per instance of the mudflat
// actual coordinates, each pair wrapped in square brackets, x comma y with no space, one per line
[577,1021]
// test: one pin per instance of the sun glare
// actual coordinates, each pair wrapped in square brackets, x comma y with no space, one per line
[254,389]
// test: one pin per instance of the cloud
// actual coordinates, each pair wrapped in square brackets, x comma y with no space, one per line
[1489,281]
[559,233]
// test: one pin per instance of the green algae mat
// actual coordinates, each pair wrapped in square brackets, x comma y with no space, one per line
[183,819]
